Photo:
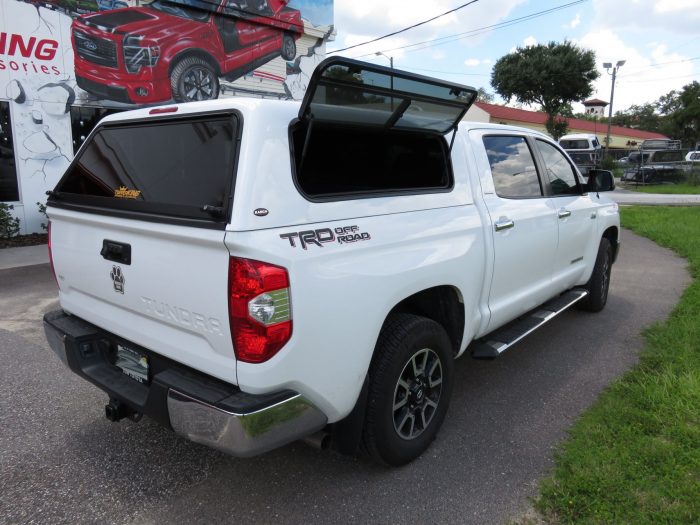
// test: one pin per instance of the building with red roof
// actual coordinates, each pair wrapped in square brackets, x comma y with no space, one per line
[620,136]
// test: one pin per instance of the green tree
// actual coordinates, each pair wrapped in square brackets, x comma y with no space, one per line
[552,75]
[643,117]
[681,112]
[484,96]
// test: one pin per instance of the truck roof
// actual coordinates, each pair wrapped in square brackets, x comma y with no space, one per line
[280,109]
[579,136]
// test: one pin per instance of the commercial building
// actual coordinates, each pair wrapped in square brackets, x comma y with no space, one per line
[64,64]
[620,137]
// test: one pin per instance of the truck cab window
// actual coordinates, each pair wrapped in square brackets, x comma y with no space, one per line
[512,167]
[560,173]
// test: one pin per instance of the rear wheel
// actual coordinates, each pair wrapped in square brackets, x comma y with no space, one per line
[410,388]
[193,78]
[599,283]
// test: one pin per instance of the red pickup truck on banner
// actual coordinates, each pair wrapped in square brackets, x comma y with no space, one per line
[167,50]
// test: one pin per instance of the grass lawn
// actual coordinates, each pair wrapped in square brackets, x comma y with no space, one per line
[634,457]
[684,189]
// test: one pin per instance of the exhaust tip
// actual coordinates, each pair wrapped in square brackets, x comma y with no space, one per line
[320,440]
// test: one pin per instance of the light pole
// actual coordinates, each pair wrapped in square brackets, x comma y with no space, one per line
[391,59]
[608,66]
[391,64]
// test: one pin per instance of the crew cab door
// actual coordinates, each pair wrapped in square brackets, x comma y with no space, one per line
[523,224]
[576,216]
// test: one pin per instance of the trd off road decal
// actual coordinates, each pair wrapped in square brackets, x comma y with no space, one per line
[340,235]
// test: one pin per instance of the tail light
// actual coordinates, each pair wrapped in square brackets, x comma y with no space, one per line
[53,270]
[259,309]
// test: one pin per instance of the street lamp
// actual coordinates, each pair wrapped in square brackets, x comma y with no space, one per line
[391,63]
[391,59]
[608,66]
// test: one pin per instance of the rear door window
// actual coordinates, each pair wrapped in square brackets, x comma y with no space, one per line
[181,168]
[512,167]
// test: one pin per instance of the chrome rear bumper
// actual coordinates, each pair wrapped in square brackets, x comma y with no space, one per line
[195,405]
[244,434]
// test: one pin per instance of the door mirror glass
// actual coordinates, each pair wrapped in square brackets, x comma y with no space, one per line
[601,180]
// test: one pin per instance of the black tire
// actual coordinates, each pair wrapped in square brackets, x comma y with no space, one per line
[289,47]
[410,384]
[193,78]
[599,283]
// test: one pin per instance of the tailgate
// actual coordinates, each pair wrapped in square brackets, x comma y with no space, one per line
[137,236]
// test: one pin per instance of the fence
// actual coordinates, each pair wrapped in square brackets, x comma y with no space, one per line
[653,166]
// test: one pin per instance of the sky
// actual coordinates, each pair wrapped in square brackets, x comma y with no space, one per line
[658,39]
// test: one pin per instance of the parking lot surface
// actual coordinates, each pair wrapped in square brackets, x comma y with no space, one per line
[63,462]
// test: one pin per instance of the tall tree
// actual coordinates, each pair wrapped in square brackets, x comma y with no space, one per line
[484,96]
[552,75]
[681,110]
[643,117]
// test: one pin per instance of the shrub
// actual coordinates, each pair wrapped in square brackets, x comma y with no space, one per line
[608,163]
[9,225]
[42,210]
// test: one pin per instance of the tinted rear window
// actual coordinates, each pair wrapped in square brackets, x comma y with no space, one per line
[171,167]
[574,144]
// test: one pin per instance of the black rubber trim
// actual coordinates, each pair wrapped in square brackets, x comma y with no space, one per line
[90,354]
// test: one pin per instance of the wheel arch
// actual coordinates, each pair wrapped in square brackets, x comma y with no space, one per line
[443,304]
[612,234]
[194,52]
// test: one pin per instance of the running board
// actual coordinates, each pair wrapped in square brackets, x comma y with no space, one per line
[495,343]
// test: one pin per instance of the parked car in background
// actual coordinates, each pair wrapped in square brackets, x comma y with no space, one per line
[693,156]
[656,166]
[584,149]
[165,50]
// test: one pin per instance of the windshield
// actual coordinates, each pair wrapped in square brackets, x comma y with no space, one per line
[183,9]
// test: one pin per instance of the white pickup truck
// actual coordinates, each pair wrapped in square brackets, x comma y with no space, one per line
[252,272]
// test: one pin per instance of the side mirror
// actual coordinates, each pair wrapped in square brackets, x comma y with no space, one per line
[600,180]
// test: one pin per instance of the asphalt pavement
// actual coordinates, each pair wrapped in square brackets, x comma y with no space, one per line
[622,195]
[63,462]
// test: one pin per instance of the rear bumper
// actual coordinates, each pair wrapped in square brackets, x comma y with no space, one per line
[196,406]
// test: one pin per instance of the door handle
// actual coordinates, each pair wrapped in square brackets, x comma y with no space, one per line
[504,224]
[563,214]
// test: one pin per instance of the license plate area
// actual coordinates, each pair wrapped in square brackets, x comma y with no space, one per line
[132,363]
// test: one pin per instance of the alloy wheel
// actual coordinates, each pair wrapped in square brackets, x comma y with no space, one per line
[198,83]
[417,394]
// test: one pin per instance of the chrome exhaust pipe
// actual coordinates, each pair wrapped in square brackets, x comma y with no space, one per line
[320,440]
